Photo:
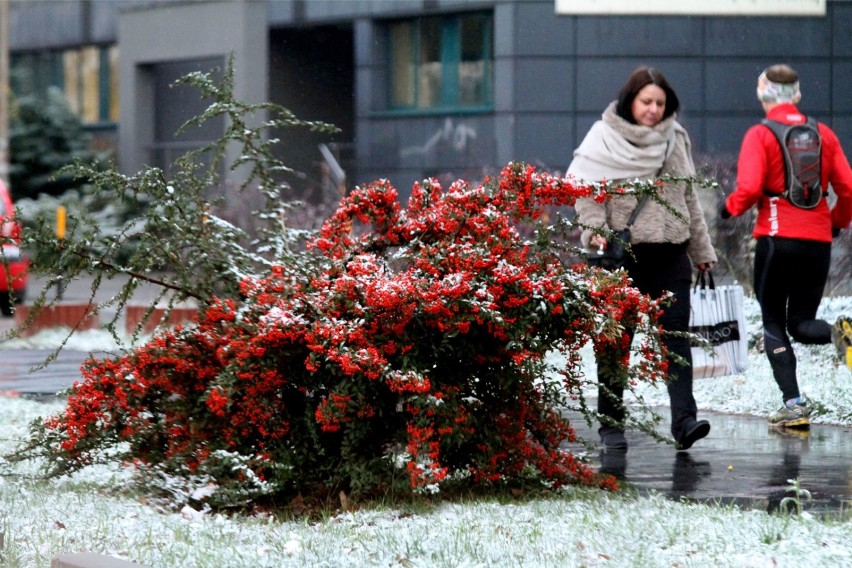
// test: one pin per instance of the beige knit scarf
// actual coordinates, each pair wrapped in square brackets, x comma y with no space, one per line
[615,149]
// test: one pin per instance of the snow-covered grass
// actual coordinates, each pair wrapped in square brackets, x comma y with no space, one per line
[578,528]
[825,383]
[87,512]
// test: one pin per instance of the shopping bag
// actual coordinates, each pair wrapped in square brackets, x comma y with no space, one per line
[717,316]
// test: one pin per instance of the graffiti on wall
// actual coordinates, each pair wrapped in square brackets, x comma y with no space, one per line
[450,135]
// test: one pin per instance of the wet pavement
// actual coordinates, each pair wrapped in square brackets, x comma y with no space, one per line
[742,462]
[23,372]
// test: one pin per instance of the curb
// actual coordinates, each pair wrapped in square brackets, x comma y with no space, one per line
[57,315]
[81,318]
[133,316]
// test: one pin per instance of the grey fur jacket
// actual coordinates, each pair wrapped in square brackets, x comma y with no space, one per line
[617,150]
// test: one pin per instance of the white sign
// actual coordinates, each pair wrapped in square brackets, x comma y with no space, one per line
[693,7]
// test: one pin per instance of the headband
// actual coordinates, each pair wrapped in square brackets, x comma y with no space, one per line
[777,92]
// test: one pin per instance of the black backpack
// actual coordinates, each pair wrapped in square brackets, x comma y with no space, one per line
[801,147]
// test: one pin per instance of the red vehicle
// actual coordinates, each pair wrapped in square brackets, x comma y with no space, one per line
[13,262]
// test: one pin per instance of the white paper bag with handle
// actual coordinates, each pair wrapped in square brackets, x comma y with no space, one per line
[718,317]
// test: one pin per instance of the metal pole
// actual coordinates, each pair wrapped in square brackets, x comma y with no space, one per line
[4,90]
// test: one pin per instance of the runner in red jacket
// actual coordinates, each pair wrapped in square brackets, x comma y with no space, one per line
[793,250]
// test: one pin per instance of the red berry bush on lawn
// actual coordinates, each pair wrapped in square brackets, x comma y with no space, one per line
[406,350]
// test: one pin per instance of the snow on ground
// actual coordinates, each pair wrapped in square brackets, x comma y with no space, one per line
[824,382]
[579,528]
[86,340]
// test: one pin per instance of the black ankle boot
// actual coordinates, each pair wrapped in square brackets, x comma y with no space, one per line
[693,431]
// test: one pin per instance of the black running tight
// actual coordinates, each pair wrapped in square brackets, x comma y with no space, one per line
[789,280]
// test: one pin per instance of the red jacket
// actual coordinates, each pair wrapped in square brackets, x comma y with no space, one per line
[761,167]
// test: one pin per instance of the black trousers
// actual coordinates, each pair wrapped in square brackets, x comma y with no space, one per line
[789,280]
[657,268]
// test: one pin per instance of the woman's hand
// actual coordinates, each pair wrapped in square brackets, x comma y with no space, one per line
[705,266]
[597,241]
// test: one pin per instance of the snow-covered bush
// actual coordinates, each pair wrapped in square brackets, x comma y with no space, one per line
[400,348]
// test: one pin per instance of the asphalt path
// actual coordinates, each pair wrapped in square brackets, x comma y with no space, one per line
[25,372]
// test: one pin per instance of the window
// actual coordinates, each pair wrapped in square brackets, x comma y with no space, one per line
[88,77]
[174,104]
[441,62]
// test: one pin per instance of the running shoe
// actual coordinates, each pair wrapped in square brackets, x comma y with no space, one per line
[795,416]
[613,439]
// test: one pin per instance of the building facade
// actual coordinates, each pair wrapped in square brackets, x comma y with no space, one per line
[447,88]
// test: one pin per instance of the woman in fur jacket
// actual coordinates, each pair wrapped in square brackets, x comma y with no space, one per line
[638,137]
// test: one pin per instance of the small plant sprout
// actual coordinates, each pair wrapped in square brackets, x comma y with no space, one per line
[799,497]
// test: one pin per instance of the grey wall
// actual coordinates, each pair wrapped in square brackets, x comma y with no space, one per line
[57,24]
[183,31]
[553,74]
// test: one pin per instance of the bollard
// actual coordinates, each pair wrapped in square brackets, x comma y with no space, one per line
[60,234]
[60,222]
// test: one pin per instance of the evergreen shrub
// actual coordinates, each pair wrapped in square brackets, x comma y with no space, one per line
[399,348]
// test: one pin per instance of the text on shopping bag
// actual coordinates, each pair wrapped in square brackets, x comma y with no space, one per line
[719,333]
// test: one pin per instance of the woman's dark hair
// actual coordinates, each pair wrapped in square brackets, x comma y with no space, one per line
[638,80]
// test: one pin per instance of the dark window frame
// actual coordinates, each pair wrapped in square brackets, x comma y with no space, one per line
[448,95]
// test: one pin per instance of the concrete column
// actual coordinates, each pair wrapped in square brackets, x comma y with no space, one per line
[179,31]
[5,87]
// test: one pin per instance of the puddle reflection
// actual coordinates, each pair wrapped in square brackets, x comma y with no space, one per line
[687,473]
[742,461]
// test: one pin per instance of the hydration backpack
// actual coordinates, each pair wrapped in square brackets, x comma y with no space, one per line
[800,146]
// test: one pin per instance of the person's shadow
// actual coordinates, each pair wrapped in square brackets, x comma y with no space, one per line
[783,498]
[687,474]
[613,462]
